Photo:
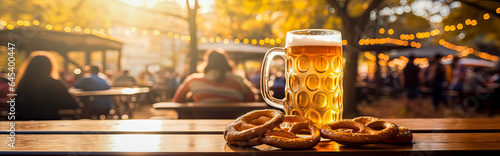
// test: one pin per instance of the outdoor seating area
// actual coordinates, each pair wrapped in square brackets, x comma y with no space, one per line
[245,77]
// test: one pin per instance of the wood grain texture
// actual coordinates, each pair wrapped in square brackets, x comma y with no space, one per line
[109,92]
[211,110]
[180,144]
[483,125]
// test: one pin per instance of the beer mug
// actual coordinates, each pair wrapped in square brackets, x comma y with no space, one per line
[314,75]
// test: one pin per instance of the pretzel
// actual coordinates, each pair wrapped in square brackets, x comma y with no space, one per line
[246,129]
[404,134]
[361,134]
[288,139]
[365,119]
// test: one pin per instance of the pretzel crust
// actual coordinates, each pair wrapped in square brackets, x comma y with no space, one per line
[245,130]
[289,139]
[362,134]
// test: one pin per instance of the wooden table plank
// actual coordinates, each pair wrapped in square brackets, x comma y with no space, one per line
[482,125]
[109,92]
[211,110]
[181,144]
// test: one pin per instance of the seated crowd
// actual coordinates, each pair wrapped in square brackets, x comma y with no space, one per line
[42,92]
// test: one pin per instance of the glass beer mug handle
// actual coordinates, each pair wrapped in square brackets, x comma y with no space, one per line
[264,77]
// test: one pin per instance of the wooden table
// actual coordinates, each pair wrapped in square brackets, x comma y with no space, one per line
[211,110]
[189,137]
[124,97]
[109,92]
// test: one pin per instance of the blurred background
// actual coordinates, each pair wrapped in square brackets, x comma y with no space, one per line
[453,43]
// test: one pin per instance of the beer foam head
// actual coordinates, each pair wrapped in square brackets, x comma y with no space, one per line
[313,37]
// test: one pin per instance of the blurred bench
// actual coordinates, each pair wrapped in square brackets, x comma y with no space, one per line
[211,110]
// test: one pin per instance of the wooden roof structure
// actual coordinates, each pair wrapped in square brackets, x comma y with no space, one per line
[32,39]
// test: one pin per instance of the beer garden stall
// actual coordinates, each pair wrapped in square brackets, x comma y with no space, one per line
[64,43]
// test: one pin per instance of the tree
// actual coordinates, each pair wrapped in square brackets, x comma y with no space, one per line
[485,36]
[260,19]
[353,26]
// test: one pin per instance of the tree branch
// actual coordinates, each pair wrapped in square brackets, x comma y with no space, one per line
[366,15]
[479,7]
[340,11]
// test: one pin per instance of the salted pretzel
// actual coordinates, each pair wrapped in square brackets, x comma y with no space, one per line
[361,133]
[246,129]
[288,139]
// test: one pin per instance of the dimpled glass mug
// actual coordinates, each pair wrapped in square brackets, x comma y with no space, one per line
[314,75]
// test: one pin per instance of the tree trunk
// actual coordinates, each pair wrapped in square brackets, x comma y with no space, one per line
[350,72]
[193,46]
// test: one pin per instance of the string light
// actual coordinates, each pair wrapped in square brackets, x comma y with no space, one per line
[36,22]
[254,41]
[344,42]
[387,40]
[19,22]
[3,23]
[464,51]
[473,22]
[10,27]
[48,27]
[78,28]
[87,31]
[486,16]
[381,30]
[67,29]
[460,26]
[390,31]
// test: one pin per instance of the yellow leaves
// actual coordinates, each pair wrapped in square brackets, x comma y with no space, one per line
[300,5]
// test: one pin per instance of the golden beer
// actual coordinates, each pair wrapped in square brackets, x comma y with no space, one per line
[314,75]
[314,84]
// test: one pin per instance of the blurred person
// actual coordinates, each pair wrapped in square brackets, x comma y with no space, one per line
[174,80]
[101,105]
[458,77]
[411,82]
[217,83]
[101,75]
[395,84]
[255,79]
[125,80]
[495,85]
[437,78]
[278,87]
[40,93]
[474,81]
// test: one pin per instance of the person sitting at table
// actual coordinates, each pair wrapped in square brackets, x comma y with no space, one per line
[217,83]
[40,93]
[101,105]
[125,80]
